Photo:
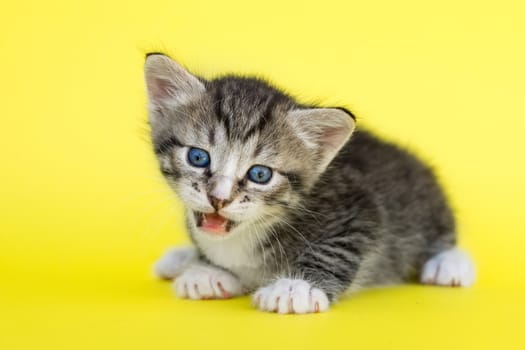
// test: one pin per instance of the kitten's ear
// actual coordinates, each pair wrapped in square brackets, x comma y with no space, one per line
[324,130]
[168,83]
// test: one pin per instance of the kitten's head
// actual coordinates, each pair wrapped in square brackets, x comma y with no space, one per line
[238,152]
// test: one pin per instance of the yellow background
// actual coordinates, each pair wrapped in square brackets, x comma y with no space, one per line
[84,212]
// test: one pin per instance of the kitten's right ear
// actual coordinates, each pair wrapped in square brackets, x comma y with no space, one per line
[168,83]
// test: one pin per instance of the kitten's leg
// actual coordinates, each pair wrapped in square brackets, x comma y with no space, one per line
[202,281]
[321,274]
[326,268]
[174,261]
[196,279]
[449,268]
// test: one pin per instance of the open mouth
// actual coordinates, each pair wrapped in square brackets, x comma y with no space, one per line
[214,223]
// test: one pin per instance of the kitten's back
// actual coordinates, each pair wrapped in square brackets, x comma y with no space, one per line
[418,222]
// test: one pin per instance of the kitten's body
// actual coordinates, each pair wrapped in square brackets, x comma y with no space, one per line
[336,216]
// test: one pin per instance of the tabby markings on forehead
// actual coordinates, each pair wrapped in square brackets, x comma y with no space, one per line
[211,136]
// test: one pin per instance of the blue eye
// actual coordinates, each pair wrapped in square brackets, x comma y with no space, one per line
[198,157]
[260,174]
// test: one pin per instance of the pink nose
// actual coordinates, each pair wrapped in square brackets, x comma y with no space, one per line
[217,203]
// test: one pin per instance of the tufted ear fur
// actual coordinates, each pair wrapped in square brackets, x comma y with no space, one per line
[324,130]
[168,84]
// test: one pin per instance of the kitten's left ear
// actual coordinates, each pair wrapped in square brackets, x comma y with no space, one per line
[168,83]
[325,130]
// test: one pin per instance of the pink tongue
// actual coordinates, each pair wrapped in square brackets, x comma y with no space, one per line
[214,223]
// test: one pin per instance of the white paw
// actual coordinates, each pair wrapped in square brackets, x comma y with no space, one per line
[207,282]
[173,262]
[291,296]
[449,268]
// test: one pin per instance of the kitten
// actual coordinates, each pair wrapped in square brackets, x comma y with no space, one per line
[282,202]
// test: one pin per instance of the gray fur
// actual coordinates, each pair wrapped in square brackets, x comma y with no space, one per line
[343,215]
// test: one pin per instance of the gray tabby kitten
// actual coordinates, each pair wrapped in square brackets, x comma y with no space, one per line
[280,201]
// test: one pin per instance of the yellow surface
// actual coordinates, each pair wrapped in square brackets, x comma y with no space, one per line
[84,213]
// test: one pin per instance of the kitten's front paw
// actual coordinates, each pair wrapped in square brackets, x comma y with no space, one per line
[207,282]
[173,262]
[291,296]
